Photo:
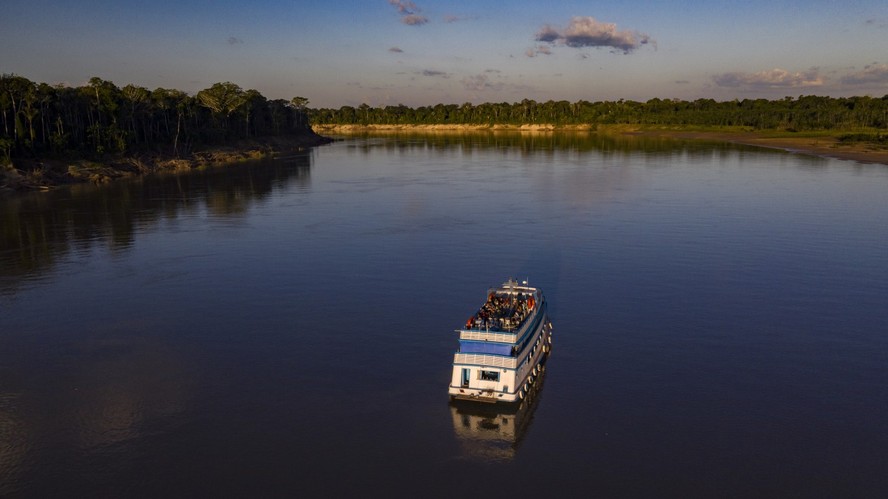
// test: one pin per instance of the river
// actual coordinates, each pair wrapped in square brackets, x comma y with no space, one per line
[285,327]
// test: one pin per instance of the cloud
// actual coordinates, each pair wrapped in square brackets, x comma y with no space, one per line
[538,50]
[585,31]
[409,13]
[395,50]
[414,20]
[548,34]
[480,82]
[404,7]
[454,18]
[235,41]
[774,78]
[871,74]
[434,73]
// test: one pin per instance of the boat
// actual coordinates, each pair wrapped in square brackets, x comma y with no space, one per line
[503,346]
[495,432]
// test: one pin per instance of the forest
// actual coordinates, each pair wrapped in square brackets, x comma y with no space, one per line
[100,118]
[807,112]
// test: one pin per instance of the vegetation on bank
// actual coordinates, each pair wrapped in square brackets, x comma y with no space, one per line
[880,139]
[56,134]
[100,125]
[804,113]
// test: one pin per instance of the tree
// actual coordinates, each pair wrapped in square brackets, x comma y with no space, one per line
[222,98]
[300,104]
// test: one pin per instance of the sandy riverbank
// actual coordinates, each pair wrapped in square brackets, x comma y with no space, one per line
[445,128]
[817,145]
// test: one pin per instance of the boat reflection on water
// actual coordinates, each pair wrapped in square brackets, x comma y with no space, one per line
[494,432]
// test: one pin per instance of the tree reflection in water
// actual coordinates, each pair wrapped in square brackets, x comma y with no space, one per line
[40,229]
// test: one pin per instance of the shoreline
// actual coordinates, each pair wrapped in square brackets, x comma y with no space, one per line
[47,173]
[43,174]
[823,144]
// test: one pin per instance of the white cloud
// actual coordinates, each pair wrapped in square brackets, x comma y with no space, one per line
[409,13]
[538,50]
[585,31]
[871,74]
[480,82]
[773,78]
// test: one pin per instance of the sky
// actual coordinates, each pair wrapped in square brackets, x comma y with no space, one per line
[422,52]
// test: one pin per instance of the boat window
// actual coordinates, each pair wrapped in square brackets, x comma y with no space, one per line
[489,375]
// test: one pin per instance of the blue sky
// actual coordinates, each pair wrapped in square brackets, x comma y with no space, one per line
[383,52]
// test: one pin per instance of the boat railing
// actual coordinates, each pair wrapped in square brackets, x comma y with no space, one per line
[488,336]
[486,360]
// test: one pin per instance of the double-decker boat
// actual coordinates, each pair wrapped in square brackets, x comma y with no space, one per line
[503,346]
[495,432]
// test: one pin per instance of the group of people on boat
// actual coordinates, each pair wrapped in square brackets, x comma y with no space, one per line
[502,312]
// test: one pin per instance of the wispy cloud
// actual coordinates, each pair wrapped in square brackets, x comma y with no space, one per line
[871,74]
[235,41]
[481,82]
[491,80]
[409,12]
[585,31]
[455,18]
[396,50]
[773,78]
[538,50]
[434,73]
[880,23]
[403,7]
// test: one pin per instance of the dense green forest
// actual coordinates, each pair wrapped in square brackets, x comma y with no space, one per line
[99,117]
[807,112]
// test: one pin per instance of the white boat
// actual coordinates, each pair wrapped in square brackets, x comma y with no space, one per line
[494,432]
[503,346]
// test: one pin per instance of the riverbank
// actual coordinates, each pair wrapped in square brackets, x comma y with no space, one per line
[324,128]
[824,144]
[46,173]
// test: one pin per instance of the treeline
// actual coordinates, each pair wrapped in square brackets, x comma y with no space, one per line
[807,112]
[100,117]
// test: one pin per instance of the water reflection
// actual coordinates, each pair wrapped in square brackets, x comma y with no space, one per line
[39,229]
[104,399]
[13,440]
[493,432]
[537,142]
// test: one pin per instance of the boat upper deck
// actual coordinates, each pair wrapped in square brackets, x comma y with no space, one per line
[505,312]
